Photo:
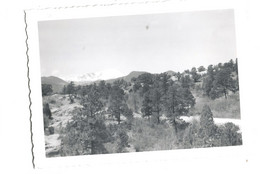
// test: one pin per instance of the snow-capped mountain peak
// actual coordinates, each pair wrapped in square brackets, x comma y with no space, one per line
[101,75]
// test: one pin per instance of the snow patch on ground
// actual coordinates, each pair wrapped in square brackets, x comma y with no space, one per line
[190,119]
[136,115]
[221,121]
[217,121]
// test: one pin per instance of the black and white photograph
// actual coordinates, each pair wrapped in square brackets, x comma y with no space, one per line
[139,83]
[130,86]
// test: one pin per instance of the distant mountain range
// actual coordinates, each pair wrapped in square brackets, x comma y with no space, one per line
[108,75]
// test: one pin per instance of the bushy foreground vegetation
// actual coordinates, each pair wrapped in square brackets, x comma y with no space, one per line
[144,114]
[206,134]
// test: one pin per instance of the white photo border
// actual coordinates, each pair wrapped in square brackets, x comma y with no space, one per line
[33,16]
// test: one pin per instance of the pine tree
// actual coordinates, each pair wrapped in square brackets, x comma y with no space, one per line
[47,115]
[195,75]
[222,84]
[46,110]
[157,104]
[186,81]
[46,89]
[116,102]
[179,101]
[164,83]
[208,85]
[91,103]
[208,128]
[178,75]
[128,113]
[147,107]
[71,91]
[201,69]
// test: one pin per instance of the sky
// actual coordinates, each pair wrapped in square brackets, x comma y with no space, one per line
[154,43]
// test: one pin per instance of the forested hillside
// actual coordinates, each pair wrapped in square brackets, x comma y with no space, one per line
[52,84]
[144,113]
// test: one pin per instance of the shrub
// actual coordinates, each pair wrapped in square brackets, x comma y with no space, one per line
[230,135]
[53,101]
[192,137]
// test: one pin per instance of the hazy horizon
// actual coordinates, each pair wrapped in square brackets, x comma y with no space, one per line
[153,43]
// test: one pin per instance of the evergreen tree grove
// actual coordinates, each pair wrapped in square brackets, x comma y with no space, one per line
[86,132]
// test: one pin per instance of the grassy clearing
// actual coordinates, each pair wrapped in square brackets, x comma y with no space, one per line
[148,136]
[221,107]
